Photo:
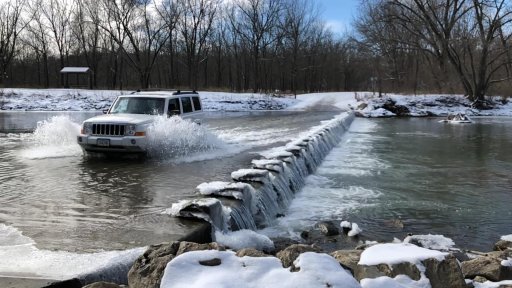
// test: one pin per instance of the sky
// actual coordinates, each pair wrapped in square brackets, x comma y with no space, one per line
[338,14]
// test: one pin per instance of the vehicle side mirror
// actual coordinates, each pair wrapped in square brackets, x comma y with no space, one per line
[105,111]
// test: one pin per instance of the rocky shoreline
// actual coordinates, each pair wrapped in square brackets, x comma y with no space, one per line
[428,261]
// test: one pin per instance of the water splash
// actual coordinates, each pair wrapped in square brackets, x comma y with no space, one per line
[177,138]
[55,137]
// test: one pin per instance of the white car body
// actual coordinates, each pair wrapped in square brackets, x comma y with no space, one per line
[123,129]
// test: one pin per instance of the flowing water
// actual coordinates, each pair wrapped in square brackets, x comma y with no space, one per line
[399,176]
[64,201]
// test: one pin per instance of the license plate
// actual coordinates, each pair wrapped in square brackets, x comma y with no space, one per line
[103,142]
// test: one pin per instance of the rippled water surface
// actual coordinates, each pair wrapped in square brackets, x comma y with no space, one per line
[63,201]
[399,176]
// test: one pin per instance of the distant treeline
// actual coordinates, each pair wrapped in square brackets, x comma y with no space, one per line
[259,45]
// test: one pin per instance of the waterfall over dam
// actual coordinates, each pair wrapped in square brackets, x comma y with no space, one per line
[262,193]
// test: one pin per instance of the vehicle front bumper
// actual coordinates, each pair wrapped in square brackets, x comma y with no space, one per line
[124,144]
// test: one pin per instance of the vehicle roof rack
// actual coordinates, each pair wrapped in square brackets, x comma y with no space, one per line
[179,92]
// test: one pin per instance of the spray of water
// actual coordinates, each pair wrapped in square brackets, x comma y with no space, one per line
[55,137]
[177,138]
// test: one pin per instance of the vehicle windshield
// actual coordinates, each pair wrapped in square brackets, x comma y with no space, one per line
[139,105]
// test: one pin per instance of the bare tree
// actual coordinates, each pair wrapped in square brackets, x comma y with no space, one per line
[145,33]
[257,22]
[86,29]
[464,33]
[300,15]
[11,26]
[195,26]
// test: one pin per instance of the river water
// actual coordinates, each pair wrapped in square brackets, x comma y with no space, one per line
[392,176]
[64,201]
[399,176]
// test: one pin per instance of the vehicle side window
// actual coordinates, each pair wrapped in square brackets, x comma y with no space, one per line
[197,103]
[187,104]
[173,108]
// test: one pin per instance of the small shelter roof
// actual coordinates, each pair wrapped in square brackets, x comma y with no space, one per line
[75,70]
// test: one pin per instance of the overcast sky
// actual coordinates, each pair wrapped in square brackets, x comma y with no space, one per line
[338,14]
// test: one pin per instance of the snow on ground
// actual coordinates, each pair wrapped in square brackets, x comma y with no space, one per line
[20,254]
[395,253]
[367,104]
[244,239]
[489,284]
[316,270]
[86,100]
[437,242]
[507,237]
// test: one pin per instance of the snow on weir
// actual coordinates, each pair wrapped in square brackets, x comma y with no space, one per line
[262,193]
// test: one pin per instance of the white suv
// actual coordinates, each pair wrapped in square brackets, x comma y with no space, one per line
[123,128]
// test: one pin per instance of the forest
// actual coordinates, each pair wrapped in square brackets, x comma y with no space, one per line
[271,46]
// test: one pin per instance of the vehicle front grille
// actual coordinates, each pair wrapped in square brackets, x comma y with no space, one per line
[108,129]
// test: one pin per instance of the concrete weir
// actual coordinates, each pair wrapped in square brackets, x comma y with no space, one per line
[257,196]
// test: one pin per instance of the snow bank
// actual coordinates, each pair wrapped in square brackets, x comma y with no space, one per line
[428,105]
[489,284]
[316,270]
[436,242]
[394,253]
[19,254]
[506,238]
[244,239]
[87,100]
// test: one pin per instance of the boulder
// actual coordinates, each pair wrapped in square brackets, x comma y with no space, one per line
[103,285]
[502,245]
[347,258]
[148,268]
[445,273]
[282,243]
[251,252]
[487,266]
[328,228]
[191,246]
[288,255]
[399,110]
[373,271]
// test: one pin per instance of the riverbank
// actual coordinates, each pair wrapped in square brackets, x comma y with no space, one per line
[366,104]
[251,260]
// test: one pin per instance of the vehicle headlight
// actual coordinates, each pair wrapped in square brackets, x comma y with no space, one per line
[130,129]
[86,128]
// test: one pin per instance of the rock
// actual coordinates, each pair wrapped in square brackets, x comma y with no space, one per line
[488,267]
[445,273]
[502,245]
[374,271]
[148,268]
[191,246]
[480,279]
[362,106]
[399,110]
[211,262]
[251,252]
[288,255]
[347,258]
[102,285]
[328,228]
[282,243]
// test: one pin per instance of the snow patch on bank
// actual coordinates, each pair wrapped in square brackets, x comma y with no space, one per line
[19,254]
[506,238]
[316,270]
[395,253]
[244,239]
